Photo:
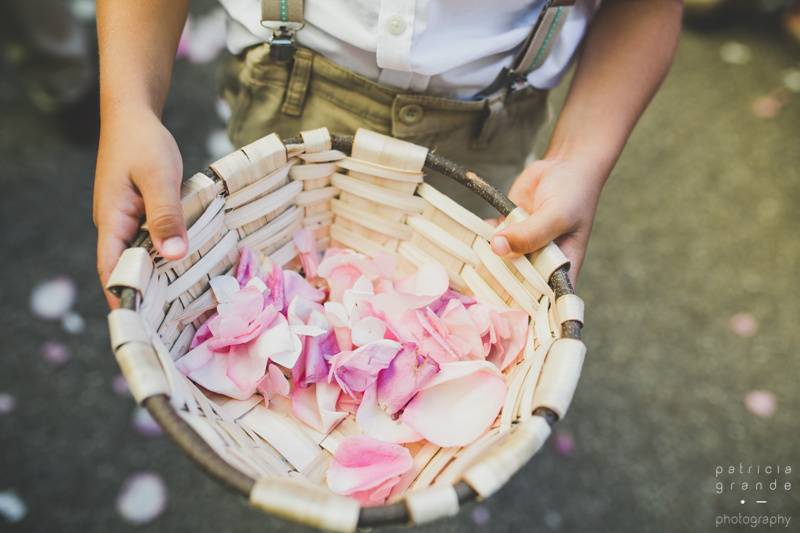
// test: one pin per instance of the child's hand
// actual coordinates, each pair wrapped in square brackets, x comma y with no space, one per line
[138,171]
[561,196]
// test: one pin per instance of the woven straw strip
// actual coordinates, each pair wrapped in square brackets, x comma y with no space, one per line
[125,325]
[500,271]
[467,456]
[199,270]
[323,157]
[291,217]
[438,236]
[312,171]
[197,192]
[560,374]
[482,291]
[139,365]
[508,456]
[302,502]
[455,211]
[569,307]
[284,435]
[432,503]
[308,198]
[407,203]
[371,169]
[388,151]
[515,380]
[264,155]
[275,201]
[418,257]
[358,243]
[133,270]
[265,185]
[368,220]
[316,141]
[434,467]
[549,259]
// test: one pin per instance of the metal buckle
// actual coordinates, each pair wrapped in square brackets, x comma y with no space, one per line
[507,80]
[281,45]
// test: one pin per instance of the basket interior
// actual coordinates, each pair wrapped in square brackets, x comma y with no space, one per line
[374,200]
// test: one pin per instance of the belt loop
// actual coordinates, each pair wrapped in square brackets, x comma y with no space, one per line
[297,87]
[495,112]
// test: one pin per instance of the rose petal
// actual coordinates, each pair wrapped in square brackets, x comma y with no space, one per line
[7,403]
[224,287]
[144,423]
[277,295]
[362,463]
[459,404]
[368,329]
[12,508]
[761,403]
[274,383]
[55,353]
[278,343]
[307,247]
[408,372]
[376,423]
[51,299]
[315,405]
[513,334]
[120,386]
[295,286]
[143,498]
[247,269]
[564,443]
[356,370]
[743,324]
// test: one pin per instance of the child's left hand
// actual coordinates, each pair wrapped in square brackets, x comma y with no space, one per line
[561,195]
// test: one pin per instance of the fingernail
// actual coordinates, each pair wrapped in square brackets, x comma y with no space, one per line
[173,247]
[500,245]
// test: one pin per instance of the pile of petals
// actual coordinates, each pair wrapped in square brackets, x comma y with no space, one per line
[408,358]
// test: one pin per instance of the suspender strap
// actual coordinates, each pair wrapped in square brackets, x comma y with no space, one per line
[284,18]
[540,41]
[282,11]
[535,48]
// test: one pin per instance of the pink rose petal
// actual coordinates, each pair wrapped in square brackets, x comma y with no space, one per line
[247,268]
[274,383]
[564,443]
[52,299]
[362,464]
[143,498]
[144,423]
[378,424]
[307,247]
[120,386]
[315,406]
[408,372]
[355,371]
[480,515]
[743,324]
[55,353]
[7,403]
[761,403]
[459,404]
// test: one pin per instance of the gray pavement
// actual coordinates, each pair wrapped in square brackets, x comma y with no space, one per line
[698,223]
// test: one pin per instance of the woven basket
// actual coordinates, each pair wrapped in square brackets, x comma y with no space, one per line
[373,201]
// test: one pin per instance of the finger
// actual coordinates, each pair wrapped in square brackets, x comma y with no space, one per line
[574,247]
[531,234]
[109,248]
[162,203]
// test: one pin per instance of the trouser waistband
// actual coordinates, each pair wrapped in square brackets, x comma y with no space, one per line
[405,115]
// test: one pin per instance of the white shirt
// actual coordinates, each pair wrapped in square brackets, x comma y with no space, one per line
[451,48]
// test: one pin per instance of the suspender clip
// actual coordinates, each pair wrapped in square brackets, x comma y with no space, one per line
[281,45]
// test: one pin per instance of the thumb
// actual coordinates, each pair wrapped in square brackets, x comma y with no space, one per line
[530,234]
[162,204]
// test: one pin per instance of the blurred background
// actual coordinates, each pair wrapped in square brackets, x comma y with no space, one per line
[691,288]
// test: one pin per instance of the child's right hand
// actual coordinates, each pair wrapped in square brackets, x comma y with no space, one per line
[138,172]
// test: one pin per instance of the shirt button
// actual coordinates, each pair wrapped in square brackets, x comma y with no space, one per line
[396,25]
[411,114]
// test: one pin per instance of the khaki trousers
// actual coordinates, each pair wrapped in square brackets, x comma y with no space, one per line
[493,138]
